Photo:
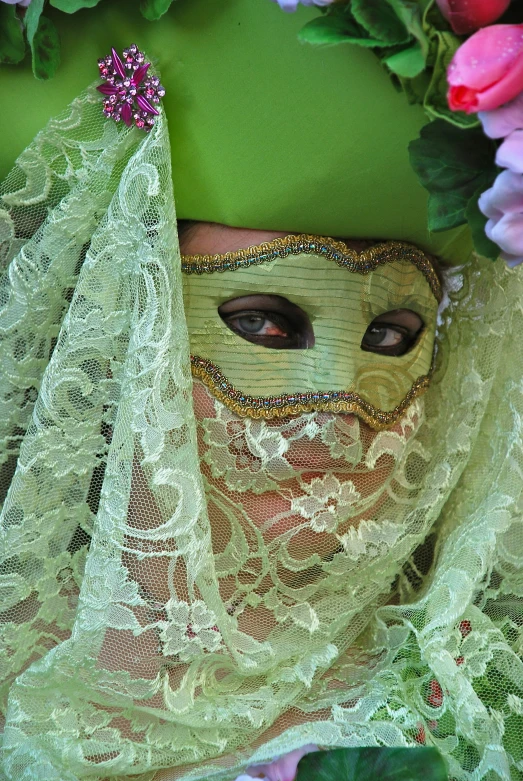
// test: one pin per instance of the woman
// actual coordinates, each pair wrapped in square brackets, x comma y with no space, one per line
[204,572]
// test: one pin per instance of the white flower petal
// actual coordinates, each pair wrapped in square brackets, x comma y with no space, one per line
[487,205]
[500,122]
[511,260]
[506,195]
[510,153]
[508,234]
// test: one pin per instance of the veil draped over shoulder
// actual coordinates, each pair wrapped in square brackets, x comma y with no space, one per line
[184,589]
[122,652]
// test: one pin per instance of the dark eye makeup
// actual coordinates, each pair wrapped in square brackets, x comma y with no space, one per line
[271,321]
[275,322]
[393,333]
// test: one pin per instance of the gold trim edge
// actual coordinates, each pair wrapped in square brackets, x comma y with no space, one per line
[331,249]
[287,404]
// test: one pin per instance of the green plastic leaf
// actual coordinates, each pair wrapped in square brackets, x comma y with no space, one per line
[409,13]
[32,18]
[371,764]
[12,45]
[336,27]
[154,9]
[380,20]
[43,40]
[452,164]
[45,49]
[71,6]
[477,221]
[415,88]
[407,63]
[443,46]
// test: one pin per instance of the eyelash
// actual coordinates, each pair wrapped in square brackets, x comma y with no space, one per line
[270,317]
[408,340]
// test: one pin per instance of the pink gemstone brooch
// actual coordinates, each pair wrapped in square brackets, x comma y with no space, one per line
[130,94]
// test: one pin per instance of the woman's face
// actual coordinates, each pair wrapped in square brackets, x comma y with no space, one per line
[298,482]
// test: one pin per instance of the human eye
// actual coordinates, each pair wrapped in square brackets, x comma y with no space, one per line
[393,333]
[267,320]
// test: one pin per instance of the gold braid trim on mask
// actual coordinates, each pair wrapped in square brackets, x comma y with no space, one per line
[331,249]
[288,404]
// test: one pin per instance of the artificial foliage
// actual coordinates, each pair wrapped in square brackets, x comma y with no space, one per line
[373,764]
[455,168]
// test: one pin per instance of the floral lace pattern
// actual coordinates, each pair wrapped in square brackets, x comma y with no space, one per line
[192,593]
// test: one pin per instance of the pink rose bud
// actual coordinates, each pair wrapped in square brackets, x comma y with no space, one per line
[487,70]
[465,16]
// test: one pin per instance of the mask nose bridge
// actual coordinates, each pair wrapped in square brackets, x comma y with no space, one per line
[339,325]
[337,355]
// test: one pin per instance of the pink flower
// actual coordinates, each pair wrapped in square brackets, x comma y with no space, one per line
[282,769]
[465,16]
[23,3]
[487,70]
[503,205]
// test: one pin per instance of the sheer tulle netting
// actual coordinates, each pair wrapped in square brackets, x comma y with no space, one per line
[199,596]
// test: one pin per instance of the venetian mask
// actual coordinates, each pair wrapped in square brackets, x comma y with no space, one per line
[304,323]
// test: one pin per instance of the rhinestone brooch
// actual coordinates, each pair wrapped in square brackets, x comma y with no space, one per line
[131,95]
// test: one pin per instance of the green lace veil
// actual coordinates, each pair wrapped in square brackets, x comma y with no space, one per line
[411,636]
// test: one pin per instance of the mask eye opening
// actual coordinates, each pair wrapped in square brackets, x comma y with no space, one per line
[269,321]
[393,333]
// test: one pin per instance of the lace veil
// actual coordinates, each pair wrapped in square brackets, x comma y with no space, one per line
[126,647]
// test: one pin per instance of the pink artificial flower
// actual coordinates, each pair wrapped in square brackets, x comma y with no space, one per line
[283,769]
[23,3]
[487,70]
[500,122]
[465,16]
[503,205]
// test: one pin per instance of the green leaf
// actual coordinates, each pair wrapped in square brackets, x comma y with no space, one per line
[416,88]
[43,40]
[449,211]
[452,164]
[407,63]
[71,6]
[336,28]
[32,17]
[443,46]
[12,45]
[45,49]
[370,764]
[154,9]
[477,221]
[409,13]
[380,20]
